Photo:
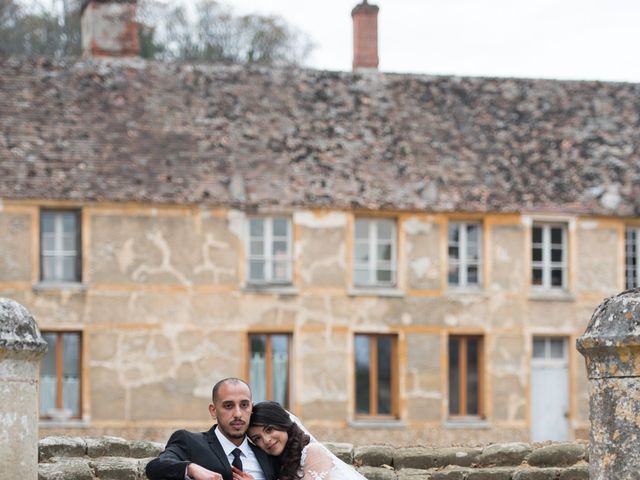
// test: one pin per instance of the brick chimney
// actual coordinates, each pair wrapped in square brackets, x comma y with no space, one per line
[365,36]
[109,28]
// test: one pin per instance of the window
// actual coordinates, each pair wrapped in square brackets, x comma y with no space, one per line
[375,253]
[632,268]
[60,257]
[375,370]
[464,254]
[549,349]
[465,375]
[549,256]
[60,376]
[269,370]
[269,250]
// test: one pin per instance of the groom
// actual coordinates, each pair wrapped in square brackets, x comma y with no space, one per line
[209,455]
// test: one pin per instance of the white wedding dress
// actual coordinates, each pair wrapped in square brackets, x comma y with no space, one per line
[318,463]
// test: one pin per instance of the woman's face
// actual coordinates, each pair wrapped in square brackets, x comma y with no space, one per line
[269,439]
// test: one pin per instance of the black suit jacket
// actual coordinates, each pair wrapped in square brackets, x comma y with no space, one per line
[204,449]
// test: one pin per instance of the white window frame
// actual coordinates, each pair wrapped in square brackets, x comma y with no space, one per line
[373,264]
[463,261]
[267,257]
[58,253]
[546,264]
[631,250]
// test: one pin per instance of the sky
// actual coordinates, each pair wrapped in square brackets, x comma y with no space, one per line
[559,39]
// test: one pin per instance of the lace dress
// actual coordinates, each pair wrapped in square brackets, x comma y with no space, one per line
[318,463]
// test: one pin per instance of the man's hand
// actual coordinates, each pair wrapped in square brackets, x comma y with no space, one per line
[240,475]
[196,472]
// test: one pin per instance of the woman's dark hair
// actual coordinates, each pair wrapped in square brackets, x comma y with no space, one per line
[272,414]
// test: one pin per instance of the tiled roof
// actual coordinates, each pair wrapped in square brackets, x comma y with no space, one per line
[132,130]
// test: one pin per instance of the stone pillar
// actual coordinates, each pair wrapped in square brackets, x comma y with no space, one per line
[21,347]
[611,347]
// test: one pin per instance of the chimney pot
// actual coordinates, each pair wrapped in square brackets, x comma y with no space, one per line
[109,28]
[365,36]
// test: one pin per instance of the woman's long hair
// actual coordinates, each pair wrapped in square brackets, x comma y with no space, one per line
[272,414]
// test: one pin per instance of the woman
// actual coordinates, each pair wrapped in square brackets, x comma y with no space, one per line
[280,434]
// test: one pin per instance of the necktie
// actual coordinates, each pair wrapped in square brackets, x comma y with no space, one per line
[236,458]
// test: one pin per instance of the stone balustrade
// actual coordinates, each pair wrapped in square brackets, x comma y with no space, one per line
[112,458]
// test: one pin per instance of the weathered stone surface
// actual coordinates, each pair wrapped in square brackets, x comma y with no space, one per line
[452,473]
[413,474]
[413,457]
[537,474]
[490,474]
[374,455]
[424,458]
[49,447]
[378,473]
[344,451]
[65,469]
[144,449]
[557,454]
[504,454]
[115,468]
[15,247]
[107,447]
[577,472]
[18,331]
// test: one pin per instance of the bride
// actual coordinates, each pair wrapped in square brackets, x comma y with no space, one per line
[302,457]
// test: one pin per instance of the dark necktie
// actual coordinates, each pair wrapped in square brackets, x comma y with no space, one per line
[236,458]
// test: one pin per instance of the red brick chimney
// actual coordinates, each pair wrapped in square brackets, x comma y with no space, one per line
[109,28]
[365,36]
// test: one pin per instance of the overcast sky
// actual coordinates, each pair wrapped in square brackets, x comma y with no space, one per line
[566,39]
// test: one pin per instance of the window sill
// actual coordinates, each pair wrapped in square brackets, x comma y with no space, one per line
[466,422]
[551,295]
[67,286]
[269,288]
[466,292]
[375,292]
[381,423]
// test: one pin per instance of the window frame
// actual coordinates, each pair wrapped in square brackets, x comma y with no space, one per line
[463,342]
[546,265]
[463,261]
[634,245]
[269,363]
[60,253]
[59,364]
[267,256]
[373,264]
[373,377]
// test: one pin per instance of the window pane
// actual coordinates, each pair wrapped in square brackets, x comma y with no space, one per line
[49,268]
[280,271]
[473,233]
[280,369]
[256,227]
[473,251]
[536,277]
[256,247]
[472,275]
[384,375]
[280,249]
[454,278]
[280,227]
[384,252]
[48,380]
[473,378]
[362,355]
[556,254]
[383,276]
[454,233]
[69,242]
[48,242]
[453,253]
[454,376]
[257,367]
[362,229]
[556,235]
[71,373]
[536,235]
[385,230]
[557,348]
[361,276]
[69,222]
[68,269]
[539,348]
[536,254]
[48,222]
[556,277]
[361,253]
[256,270]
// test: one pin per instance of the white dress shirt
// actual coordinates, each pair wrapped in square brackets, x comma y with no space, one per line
[249,461]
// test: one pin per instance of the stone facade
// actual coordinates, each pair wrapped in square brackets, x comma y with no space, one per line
[75,458]
[164,310]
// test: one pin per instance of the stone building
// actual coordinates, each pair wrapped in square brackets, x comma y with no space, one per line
[398,258]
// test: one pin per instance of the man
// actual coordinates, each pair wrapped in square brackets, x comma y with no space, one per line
[209,455]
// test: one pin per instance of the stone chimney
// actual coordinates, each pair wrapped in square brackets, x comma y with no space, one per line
[109,28]
[365,36]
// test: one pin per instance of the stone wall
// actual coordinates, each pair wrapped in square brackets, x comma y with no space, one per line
[113,458]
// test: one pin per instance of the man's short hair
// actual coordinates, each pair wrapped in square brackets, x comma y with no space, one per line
[232,380]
